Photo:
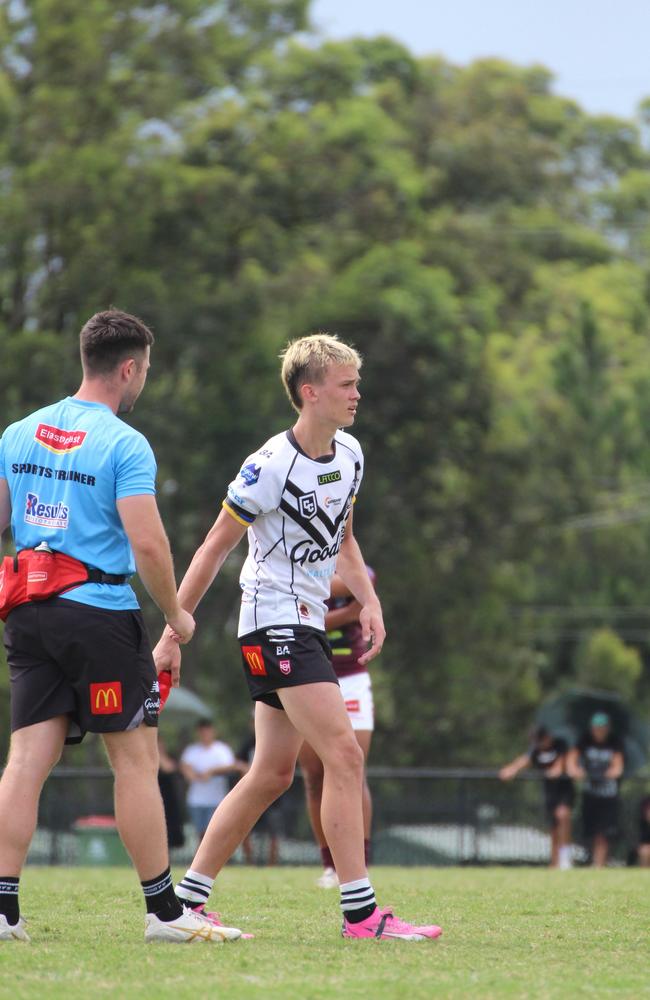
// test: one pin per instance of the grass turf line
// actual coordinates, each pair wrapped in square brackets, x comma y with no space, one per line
[507,933]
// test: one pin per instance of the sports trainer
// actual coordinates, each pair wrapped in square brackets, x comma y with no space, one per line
[345,637]
[548,754]
[597,760]
[294,497]
[77,485]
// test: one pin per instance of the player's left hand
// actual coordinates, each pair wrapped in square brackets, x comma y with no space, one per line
[372,630]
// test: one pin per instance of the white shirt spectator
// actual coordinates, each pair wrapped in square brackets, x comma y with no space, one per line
[203,758]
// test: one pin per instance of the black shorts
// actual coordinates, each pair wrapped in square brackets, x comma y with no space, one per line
[91,664]
[282,656]
[599,816]
[557,792]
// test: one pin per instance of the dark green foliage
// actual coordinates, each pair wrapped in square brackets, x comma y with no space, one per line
[481,240]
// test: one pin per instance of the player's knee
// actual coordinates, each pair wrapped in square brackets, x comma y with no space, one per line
[272,782]
[347,757]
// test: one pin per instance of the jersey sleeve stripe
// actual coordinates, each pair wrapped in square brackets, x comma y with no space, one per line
[239,514]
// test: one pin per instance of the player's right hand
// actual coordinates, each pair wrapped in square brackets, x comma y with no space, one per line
[181,625]
[167,656]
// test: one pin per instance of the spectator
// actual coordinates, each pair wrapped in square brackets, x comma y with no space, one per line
[205,766]
[548,754]
[598,761]
[168,782]
[643,852]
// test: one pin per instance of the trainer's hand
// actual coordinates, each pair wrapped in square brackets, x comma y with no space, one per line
[181,625]
[167,656]
[372,630]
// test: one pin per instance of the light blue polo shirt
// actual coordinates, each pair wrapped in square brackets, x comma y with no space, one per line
[66,465]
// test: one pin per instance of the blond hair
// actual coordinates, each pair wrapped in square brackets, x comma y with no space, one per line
[307,360]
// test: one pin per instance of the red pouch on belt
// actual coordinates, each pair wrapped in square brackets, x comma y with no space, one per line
[13,584]
[34,575]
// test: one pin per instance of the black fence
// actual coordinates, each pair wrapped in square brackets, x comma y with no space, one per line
[421,817]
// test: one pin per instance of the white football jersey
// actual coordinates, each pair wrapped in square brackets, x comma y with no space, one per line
[296,508]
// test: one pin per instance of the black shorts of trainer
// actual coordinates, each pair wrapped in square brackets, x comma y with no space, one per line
[557,792]
[599,816]
[283,656]
[91,664]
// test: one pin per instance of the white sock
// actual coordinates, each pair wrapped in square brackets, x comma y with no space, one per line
[194,887]
[357,895]
[565,856]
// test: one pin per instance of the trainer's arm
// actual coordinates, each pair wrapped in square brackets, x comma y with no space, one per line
[153,558]
[351,567]
[5,505]
[208,559]
[511,770]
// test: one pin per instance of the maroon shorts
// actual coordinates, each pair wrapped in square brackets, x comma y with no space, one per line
[93,665]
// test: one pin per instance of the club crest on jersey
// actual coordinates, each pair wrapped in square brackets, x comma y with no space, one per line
[250,473]
[59,441]
[46,515]
[308,505]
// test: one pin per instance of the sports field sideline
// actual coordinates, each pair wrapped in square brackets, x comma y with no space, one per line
[507,933]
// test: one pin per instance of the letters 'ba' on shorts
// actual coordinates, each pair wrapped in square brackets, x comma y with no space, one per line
[91,664]
[284,656]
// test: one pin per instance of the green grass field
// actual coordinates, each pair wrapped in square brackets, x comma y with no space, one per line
[507,933]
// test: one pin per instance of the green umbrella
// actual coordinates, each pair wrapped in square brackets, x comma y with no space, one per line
[568,715]
[184,702]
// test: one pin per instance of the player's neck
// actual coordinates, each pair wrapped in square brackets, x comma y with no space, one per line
[99,391]
[314,437]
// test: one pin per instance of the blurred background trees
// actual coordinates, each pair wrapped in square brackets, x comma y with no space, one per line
[480,239]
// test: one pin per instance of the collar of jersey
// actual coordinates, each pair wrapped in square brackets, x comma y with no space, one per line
[87,403]
[323,459]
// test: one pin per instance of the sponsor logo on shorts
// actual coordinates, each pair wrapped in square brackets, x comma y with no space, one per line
[152,705]
[59,441]
[282,650]
[250,474]
[285,666]
[308,505]
[46,515]
[352,705]
[329,477]
[106,699]
[255,660]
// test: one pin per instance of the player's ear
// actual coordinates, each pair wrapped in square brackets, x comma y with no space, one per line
[308,391]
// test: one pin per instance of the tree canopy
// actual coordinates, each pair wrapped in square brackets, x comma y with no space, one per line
[480,239]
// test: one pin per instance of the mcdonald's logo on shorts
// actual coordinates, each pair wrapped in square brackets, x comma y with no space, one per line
[106,699]
[255,660]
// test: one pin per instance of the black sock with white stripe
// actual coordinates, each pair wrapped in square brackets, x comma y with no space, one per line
[194,888]
[357,900]
[160,898]
[9,898]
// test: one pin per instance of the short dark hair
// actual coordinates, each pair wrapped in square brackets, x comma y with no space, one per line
[110,337]
[204,723]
